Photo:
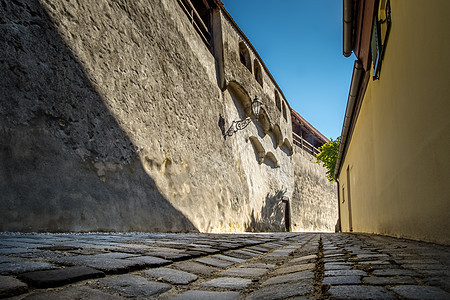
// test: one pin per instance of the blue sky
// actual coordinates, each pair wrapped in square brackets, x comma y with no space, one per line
[300,42]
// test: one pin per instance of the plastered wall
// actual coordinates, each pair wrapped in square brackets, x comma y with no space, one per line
[396,168]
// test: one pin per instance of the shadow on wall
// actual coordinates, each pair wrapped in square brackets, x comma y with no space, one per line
[65,162]
[271,217]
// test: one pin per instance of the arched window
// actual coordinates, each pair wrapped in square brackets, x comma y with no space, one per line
[258,73]
[284,111]
[277,100]
[244,56]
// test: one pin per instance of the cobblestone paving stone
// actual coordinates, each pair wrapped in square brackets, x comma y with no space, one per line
[221,266]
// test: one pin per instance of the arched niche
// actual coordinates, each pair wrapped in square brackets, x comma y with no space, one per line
[242,96]
[278,135]
[258,148]
[287,147]
[264,120]
[271,160]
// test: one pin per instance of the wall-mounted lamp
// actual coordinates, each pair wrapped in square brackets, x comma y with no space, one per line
[241,124]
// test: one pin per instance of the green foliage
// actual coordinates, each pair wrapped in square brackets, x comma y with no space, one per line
[328,155]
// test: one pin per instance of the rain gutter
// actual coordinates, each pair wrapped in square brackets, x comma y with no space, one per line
[357,75]
[347,27]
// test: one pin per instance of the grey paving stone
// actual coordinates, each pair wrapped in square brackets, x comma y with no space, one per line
[18,266]
[197,268]
[8,251]
[117,255]
[168,255]
[303,258]
[234,283]
[395,272]
[258,265]
[150,261]
[421,292]
[214,262]
[359,292]
[281,291]
[207,295]
[294,268]
[345,273]
[110,266]
[257,248]
[389,280]
[172,276]
[59,277]
[135,286]
[73,293]
[292,277]
[337,266]
[341,280]
[10,286]
[241,254]
[229,258]
[425,266]
[244,272]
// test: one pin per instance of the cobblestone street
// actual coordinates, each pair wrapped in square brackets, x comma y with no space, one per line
[221,266]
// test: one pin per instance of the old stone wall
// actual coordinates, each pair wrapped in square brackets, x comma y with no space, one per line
[109,121]
[112,116]
[314,200]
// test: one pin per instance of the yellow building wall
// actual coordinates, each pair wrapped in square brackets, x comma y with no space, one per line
[399,154]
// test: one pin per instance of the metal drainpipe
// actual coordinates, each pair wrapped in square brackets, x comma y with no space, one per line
[358,71]
[338,225]
[347,27]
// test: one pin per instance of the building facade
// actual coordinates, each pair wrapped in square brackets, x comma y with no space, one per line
[393,165]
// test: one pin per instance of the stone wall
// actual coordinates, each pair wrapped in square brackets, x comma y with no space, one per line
[314,200]
[112,116]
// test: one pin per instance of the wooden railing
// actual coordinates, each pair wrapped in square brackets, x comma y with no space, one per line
[304,144]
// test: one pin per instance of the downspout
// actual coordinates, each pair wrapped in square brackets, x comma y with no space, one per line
[347,27]
[358,72]
[338,225]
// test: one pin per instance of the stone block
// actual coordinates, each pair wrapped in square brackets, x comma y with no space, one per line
[150,261]
[421,292]
[197,268]
[395,272]
[10,286]
[345,273]
[294,268]
[229,258]
[59,277]
[73,293]
[234,283]
[282,291]
[358,292]
[109,266]
[135,286]
[244,272]
[18,266]
[172,276]
[292,277]
[389,280]
[341,280]
[207,295]
[258,265]
[214,262]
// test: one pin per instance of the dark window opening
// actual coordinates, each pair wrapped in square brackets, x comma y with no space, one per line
[199,13]
[244,56]
[277,100]
[284,112]
[258,73]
